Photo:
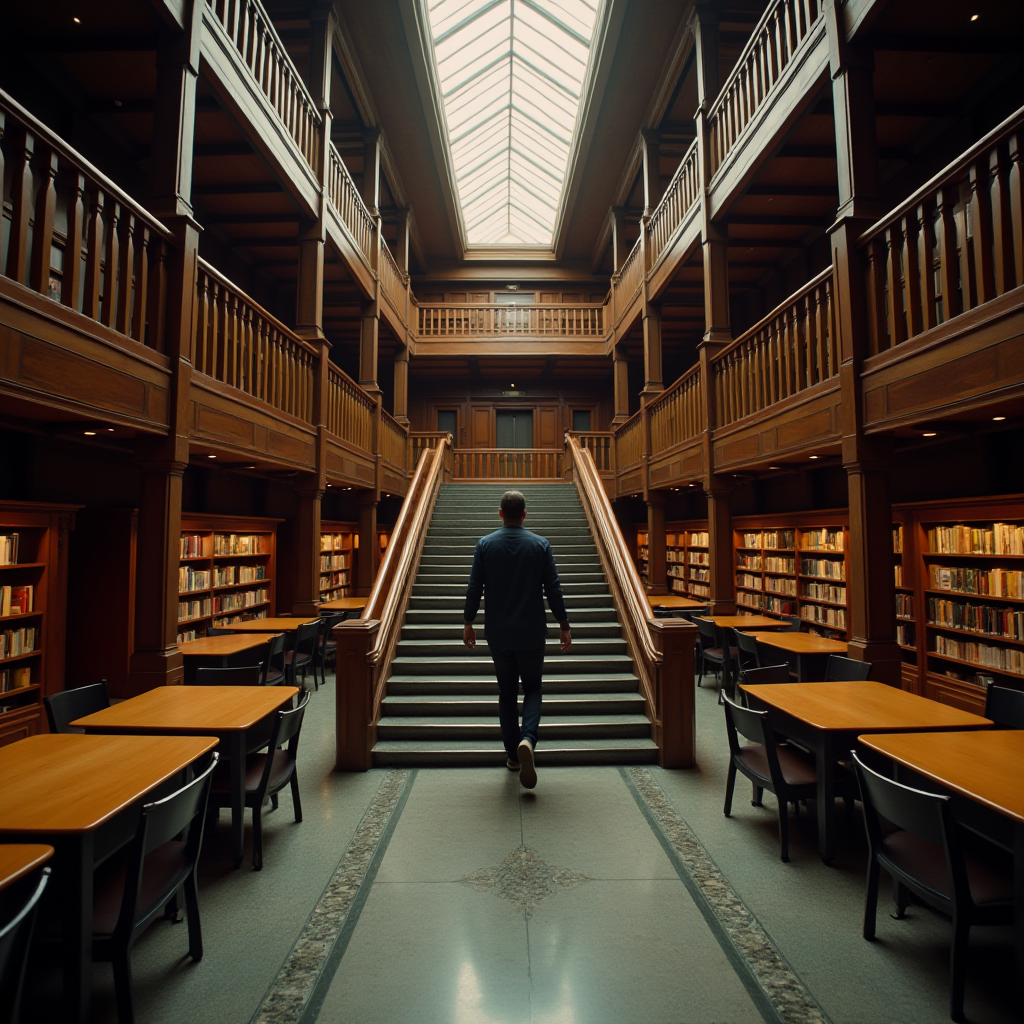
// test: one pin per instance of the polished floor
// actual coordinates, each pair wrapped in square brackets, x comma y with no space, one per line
[605,895]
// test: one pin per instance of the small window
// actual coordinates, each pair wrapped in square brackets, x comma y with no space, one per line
[448,419]
[581,420]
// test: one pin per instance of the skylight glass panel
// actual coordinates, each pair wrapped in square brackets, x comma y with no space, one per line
[511,76]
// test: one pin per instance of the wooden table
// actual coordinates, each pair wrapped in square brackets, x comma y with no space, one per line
[674,601]
[827,718]
[240,717]
[82,796]
[743,622]
[982,772]
[345,604]
[18,859]
[219,651]
[277,624]
[806,647]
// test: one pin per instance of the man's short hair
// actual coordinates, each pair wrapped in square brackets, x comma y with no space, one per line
[513,505]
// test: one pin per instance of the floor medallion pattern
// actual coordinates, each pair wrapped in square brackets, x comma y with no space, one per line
[524,879]
[783,996]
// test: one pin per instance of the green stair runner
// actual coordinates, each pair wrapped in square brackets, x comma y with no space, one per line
[441,706]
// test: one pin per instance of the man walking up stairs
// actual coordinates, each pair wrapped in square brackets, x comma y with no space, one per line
[441,706]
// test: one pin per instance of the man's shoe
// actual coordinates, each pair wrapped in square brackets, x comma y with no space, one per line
[527,771]
[512,766]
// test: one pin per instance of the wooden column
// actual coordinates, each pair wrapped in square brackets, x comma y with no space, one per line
[368,558]
[620,247]
[723,567]
[650,140]
[870,598]
[401,252]
[156,660]
[657,569]
[309,493]
[402,385]
[309,293]
[620,380]
[653,376]
[371,169]
[369,335]
[717,326]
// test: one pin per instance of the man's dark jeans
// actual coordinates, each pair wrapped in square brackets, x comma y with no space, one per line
[511,667]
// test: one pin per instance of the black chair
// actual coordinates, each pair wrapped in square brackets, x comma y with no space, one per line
[272,655]
[712,649]
[18,905]
[220,631]
[746,651]
[793,624]
[238,675]
[303,652]
[925,858]
[1005,707]
[846,670]
[782,770]
[327,649]
[267,774]
[69,705]
[767,674]
[134,887]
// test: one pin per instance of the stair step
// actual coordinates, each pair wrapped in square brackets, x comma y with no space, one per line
[477,754]
[456,601]
[471,664]
[457,727]
[441,589]
[452,631]
[485,685]
[485,704]
[442,616]
[454,648]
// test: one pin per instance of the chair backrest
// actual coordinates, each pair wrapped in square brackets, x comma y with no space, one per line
[305,638]
[1005,707]
[69,705]
[160,822]
[328,620]
[218,631]
[272,654]
[846,670]
[16,924]
[287,729]
[746,645]
[912,809]
[793,624]
[707,634]
[751,725]
[238,675]
[767,674]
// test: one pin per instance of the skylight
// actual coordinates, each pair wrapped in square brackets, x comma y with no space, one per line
[511,76]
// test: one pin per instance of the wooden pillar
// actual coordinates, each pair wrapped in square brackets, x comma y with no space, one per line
[369,336]
[650,141]
[717,325]
[368,558]
[675,726]
[620,247]
[306,568]
[657,569]
[401,253]
[870,598]
[620,379]
[653,376]
[402,385]
[371,169]
[309,293]
[720,547]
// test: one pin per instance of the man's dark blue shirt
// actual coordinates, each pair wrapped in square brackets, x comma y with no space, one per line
[515,568]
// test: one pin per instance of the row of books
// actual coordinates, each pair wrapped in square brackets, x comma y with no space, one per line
[240,544]
[677,586]
[897,540]
[745,579]
[186,635]
[905,635]
[897,573]
[678,571]
[783,539]
[334,579]
[834,617]
[9,548]
[978,618]
[825,539]
[985,582]
[700,590]
[190,579]
[779,563]
[748,600]
[328,562]
[780,585]
[333,541]
[1006,659]
[192,545]
[16,600]
[905,605]
[699,558]
[15,642]
[779,605]
[825,567]
[232,619]
[699,539]
[755,562]
[240,599]
[188,610]
[15,678]
[825,592]
[232,575]
[1000,539]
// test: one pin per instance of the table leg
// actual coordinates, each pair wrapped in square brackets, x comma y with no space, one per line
[826,765]
[799,668]
[77,923]
[237,795]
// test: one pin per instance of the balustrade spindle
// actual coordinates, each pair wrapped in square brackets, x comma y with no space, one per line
[925,248]
[93,254]
[42,227]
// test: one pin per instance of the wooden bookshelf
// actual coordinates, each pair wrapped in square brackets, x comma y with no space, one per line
[688,557]
[33,594]
[337,559]
[904,548]
[226,572]
[642,552]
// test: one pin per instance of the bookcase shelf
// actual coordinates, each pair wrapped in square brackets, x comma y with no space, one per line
[337,559]
[33,547]
[688,557]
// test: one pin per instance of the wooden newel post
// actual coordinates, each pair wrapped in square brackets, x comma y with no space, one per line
[676,721]
[355,731]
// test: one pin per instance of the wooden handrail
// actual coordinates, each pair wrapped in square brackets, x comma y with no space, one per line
[507,463]
[346,200]
[662,650]
[394,440]
[678,413]
[392,280]
[467,320]
[629,447]
[682,194]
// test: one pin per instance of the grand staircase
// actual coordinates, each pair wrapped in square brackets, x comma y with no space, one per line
[441,706]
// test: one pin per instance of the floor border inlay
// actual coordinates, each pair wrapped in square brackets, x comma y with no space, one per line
[298,992]
[776,990]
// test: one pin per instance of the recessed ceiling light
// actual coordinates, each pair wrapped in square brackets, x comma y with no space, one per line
[974,17]
[814,456]
[77,21]
[110,430]
[211,456]
[89,433]
[998,419]
[929,433]
[774,467]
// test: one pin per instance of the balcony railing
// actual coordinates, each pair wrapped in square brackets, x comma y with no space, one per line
[394,440]
[768,52]
[600,446]
[345,198]
[681,195]
[678,413]
[630,278]
[240,344]
[629,442]
[953,245]
[500,320]
[507,463]
[350,410]
[78,238]
[790,350]
[250,29]
[392,280]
